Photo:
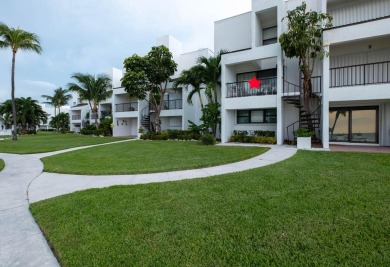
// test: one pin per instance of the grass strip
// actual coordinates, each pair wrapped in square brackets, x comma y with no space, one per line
[47,142]
[317,208]
[146,157]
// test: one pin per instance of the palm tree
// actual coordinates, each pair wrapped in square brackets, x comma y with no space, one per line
[195,77]
[16,39]
[29,113]
[60,98]
[212,72]
[93,89]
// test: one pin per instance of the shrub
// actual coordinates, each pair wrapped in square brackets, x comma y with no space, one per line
[172,135]
[265,140]
[264,133]
[303,132]
[97,132]
[261,137]
[154,136]
[208,139]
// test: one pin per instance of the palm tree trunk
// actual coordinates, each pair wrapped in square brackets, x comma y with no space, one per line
[95,113]
[200,100]
[215,93]
[59,111]
[14,136]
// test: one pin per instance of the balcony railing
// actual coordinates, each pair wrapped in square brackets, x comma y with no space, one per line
[106,113]
[76,117]
[172,104]
[364,74]
[126,107]
[169,105]
[242,89]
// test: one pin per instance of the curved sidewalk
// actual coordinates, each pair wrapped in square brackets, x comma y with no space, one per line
[49,185]
[22,182]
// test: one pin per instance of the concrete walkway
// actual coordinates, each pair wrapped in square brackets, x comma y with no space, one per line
[22,181]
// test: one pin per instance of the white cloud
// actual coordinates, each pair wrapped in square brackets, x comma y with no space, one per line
[86,36]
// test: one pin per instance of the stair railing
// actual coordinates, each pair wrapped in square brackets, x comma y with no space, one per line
[144,113]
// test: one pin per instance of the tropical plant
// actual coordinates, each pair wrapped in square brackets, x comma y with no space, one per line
[17,39]
[303,39]
[196,77]
[93,89]
[60,121]
[150,76]
[29,113]
[58,99]
[303,132]
[212,72]
[211,116]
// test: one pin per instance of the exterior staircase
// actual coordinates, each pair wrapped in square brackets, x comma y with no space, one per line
[308,118]
[145,118]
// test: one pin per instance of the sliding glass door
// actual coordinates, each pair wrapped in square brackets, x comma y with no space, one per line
[353,124]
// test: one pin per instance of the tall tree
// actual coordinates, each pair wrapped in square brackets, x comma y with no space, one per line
[195,77]
[58,99]
[150,76]
[29,113]
[303,39]
[93,89]
[212,72]
[17,39]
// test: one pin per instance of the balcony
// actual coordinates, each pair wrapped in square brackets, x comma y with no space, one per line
[364,74]
[169,105]
[126,107]
[357,11]
[242,89]
[106,113]
[172,104]
[76,117]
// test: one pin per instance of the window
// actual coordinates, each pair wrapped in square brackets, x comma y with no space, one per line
[354,124]
[256,116]
[270,35]
[175,122]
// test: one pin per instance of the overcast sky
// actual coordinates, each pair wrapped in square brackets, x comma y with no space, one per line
[92,36]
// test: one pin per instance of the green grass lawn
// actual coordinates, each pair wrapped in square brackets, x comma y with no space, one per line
[1,165]
[315,209]
[146,157]
[47,141]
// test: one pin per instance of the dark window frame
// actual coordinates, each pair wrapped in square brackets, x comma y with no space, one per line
[356,108]
[266,114]
[262,74]
[272,40]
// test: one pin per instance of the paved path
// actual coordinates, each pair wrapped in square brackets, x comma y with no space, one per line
[22,181]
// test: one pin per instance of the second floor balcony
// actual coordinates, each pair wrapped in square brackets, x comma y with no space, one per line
[363,74]
[169,105]
[76,117]
[268,86]
[106,113]
[126,107]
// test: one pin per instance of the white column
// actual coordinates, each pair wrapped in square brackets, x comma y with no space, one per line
[279,102]
[325,100]
[224,122]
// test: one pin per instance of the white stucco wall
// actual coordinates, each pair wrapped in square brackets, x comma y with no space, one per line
[233,33]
